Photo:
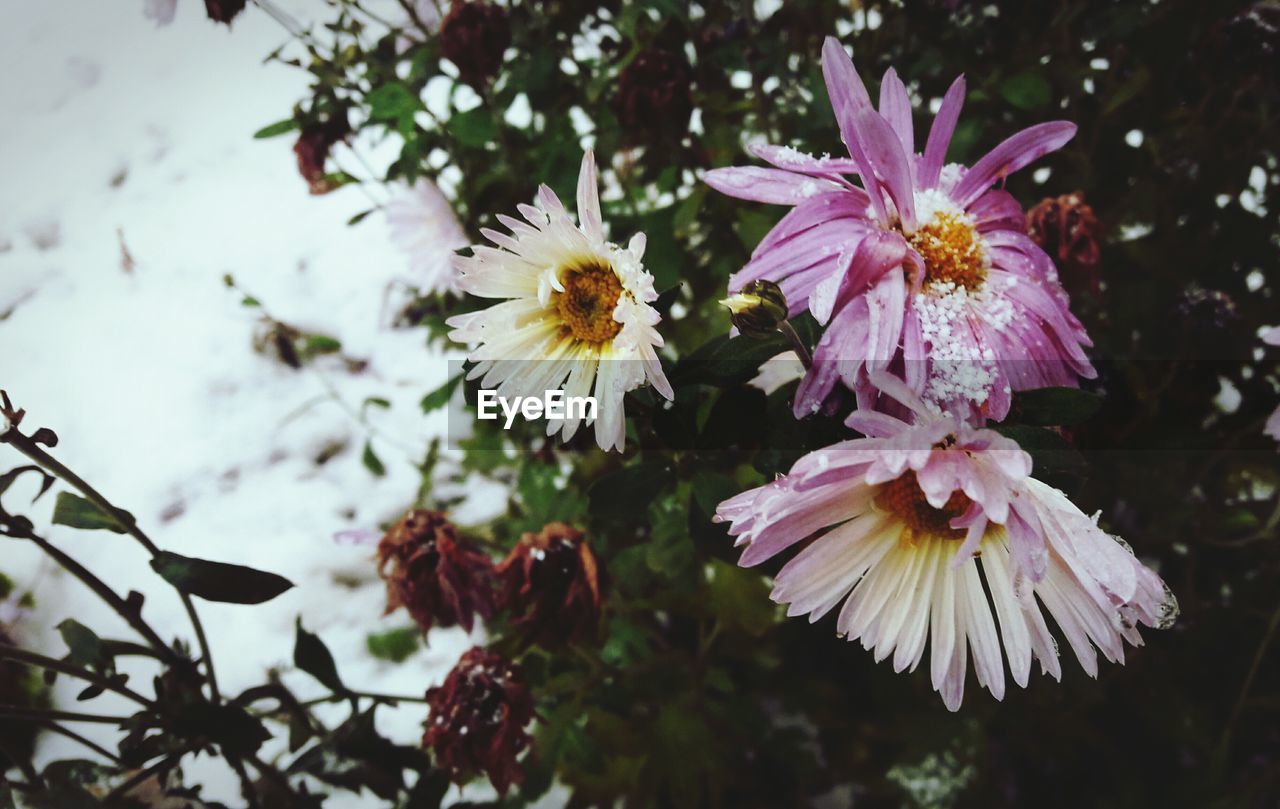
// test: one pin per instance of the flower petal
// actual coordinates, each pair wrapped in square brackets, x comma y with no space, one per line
[935,150]
[589,199]
[1014,153]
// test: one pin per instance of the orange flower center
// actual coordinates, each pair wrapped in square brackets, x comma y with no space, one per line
[591,292]
[904,499]
[951,251]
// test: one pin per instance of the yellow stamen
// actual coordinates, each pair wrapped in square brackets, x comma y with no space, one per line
[903,498]
[951,251]
[591,291]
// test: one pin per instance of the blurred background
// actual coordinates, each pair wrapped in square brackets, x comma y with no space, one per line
[133,187]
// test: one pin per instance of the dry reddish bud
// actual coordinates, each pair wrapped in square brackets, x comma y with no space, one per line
[313,147]
[477,719]
[474,37]
[654,93]
[433,573]
[223,11]
[550,583]
[1067,230]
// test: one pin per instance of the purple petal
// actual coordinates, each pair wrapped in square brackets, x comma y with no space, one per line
[849,97]
[895,106]
[357,536]
[884,151]
[767,185]
[997,209]
[1014,153]
[784,157]
[935,150]
[850,204]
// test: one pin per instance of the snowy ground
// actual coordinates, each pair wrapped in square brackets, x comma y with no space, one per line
[118,133]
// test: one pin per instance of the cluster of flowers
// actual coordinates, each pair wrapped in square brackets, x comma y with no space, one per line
[937,307]
[549,588]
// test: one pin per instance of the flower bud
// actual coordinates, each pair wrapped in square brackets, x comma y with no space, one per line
[550,583]
[757,309]
[313,147]
[474,36]
[223,11]
[1067,230]
[432,572]
[477,718]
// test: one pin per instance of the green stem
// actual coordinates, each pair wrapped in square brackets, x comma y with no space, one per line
[71,670]
[33,451]
[41,715]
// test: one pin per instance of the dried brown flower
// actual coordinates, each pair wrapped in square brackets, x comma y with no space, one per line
[477,719]
[434,573]
[654,94]
[223,11]
[313,147]
[1067,230]
[474,37]
[550,583]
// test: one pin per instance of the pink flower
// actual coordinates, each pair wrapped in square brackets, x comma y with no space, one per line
[907,517]
[925,268]
[422,223]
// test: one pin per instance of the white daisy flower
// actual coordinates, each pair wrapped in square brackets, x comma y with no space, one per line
[576,314]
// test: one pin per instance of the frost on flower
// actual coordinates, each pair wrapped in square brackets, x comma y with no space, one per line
[575,312]
[910,523]
[924,268]
[422,224]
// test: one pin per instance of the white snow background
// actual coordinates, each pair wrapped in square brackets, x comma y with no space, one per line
[116,129]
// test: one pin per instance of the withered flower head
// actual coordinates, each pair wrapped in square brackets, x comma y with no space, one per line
[474,37]
[654,94]
[550,583]
[477,718]
[433,573]
[313,147]
[223,11]
[1067,230]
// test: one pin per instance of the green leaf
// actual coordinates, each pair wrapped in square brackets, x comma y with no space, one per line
[740,598]
[276,129]
[439,397]
[473,127]
[84,645]
[77,512]
[391,101]
[1026,91]
[1051,454]
[312,656]
[726,360]
[628,491]
[372,462]
[396,645]
[1052,407]
[318,344]
[670,550]
[219,581]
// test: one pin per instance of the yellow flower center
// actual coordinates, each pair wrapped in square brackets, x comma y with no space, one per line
[591,291]
[903,498]
[951,251]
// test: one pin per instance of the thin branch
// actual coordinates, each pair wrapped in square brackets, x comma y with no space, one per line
[247,789]
[71,670]
[104,592]
[1225,742]
[41,715]
[33,451]
[89,743]
[162,766]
